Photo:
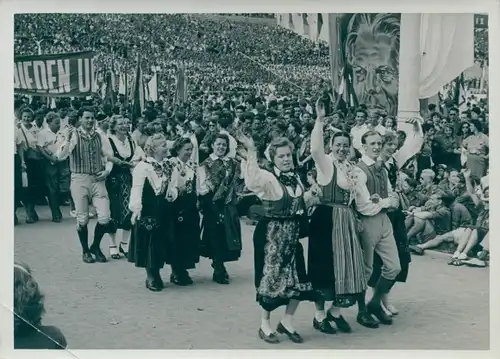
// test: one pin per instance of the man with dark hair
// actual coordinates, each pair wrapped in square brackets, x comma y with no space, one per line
[88,154]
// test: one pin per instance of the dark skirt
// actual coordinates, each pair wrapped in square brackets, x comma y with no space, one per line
[18,181]
[335,257]
[477,165]
[36,181]
[398,227]
[148,248]
[119,185]
[184,234]
[280,270]
[221,238]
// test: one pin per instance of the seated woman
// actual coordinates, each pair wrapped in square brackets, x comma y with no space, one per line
[461,222]
[482,259]
[481,228]
[29,333]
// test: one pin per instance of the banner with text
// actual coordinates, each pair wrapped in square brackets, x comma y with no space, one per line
[59,75]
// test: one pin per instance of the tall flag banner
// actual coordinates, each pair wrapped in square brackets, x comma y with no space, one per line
[447,48]
[138,91]
[181,84]
[109,95]
[153,87]
[58,75]
[313,26]
[305,26]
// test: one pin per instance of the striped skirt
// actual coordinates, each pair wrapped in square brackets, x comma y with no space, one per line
[335,256]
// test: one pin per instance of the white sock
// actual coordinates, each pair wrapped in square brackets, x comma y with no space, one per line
[125,240]
[320,315]
[112,239]
[287,322]
[455,255]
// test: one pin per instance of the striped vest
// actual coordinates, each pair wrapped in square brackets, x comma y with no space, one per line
[376,181]
[87,157]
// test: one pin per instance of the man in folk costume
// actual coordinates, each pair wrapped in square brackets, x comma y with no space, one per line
[374,198]
[394,154]
[88,153]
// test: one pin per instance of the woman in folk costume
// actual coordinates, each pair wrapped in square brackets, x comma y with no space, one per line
[34,166]
[151,189]
[335,257]
[397,218]
[280,273]
[126,154]
[184,234]
[218,179]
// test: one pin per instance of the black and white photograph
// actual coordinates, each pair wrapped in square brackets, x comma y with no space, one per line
[250,180]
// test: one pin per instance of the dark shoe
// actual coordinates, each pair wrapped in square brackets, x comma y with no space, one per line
[122,251]
[188,279]
[153,286]
[99,256]
[221,278]
[184,275]
[379,313]
[30,220]
[114,255]
[271,338]
[324,326]
[178,279]
[57,219]
[294,337]
[87,258]
[366,320]
[340,322]
[417,250]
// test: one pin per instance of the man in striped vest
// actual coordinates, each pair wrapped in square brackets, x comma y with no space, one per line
[88,153]
[374,197]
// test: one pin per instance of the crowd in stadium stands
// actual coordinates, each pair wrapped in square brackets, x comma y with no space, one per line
[215,51]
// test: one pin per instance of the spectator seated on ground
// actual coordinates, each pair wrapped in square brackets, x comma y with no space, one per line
[426,188]
[434,218]
[461,229]
[479,230]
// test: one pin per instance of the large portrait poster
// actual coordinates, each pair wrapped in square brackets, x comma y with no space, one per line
[369,55]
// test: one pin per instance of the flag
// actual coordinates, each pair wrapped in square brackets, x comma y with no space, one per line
[181,84]
[137,92]
[319,26]
[153,87]
[109,94]
[333,41]
[461,93]
[305,26]
[447,42]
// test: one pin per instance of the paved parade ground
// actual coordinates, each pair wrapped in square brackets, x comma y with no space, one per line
[106,306]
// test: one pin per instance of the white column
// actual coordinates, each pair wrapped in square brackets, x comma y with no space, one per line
[409,66]
[409,84]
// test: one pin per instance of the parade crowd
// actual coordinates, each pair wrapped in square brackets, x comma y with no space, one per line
[175,182]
